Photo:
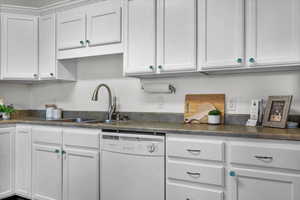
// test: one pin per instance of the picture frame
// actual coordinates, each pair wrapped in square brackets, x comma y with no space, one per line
[277,111]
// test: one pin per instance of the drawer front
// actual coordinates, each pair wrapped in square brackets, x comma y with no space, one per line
[195,149]
[81,137]
[206,174]
[266,155]
[176,192]
[47,134]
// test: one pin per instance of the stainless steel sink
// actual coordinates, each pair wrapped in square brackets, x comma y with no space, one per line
[85,120]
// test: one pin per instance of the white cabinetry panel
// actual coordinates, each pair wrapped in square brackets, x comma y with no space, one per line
[23,161]
[104,23]
[273,36]
[260,185]
[80,167]
[19,36]
[47,172]
[220,33]
[140,36]
[47,47]
[6,162]
[177,20]
[71,29]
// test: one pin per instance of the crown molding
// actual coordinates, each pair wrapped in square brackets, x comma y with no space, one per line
[6,8]
[44,9]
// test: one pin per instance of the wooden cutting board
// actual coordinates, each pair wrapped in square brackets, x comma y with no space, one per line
[197,107]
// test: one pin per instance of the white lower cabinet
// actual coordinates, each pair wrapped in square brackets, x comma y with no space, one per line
[194,169]
[249,184]
[6,162]
[23,161]
[255,169]
[47,176]
[81,164]
[65,163]
[179,192]
[46,163]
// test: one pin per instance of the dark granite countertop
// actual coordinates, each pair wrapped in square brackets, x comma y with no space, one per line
[178,128]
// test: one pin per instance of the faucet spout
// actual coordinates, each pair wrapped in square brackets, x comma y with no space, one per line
[111,100]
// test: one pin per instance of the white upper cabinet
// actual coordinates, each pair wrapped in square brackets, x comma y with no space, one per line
[47,54]
[104,23]
[71,29]
[160,36]
[49,67]
[273,32]
[177,35]
[220,33]
[19,46]
[140,36]
[91,30]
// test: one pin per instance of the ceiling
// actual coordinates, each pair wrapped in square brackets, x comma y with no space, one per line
[30,3]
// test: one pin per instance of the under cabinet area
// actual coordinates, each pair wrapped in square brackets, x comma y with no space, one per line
[92,30]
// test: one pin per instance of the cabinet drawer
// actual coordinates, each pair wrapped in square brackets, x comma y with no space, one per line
[47,134]
[266,155]
[176,192]
[196,149]
[81,137]
[206,174]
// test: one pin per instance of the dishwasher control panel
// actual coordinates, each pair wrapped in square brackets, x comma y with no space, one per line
[149,145]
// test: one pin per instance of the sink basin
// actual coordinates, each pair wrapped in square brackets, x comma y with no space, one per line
[85,120]
[77,120]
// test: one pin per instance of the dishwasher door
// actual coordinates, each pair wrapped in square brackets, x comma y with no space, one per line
[132,167]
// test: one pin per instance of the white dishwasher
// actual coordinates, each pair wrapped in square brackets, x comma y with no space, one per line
[132,167]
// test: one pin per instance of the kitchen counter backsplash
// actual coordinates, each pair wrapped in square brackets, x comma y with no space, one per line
[230,119]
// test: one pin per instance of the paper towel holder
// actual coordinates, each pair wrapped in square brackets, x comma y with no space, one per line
[158,88]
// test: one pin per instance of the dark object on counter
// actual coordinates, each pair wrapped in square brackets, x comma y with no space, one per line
[277,111]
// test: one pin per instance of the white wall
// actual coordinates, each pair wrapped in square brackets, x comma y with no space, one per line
[108,69]
[17,94]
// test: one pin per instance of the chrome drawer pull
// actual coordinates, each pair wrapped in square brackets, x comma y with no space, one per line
[264,158]
[194,151]
[193,174]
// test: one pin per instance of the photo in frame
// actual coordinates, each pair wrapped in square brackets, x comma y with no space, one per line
[277,111]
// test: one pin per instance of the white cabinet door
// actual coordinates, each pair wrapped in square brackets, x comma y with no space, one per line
[261,185]
[220,33]
[81,175]
[177,35]
[273,36]
[6,162]
[71,31]
[47,47]
[23,161]
[104,23]
[19,46]
[47,172]
[140,36]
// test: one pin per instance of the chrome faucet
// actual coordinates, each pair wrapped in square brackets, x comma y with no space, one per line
[111,101]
